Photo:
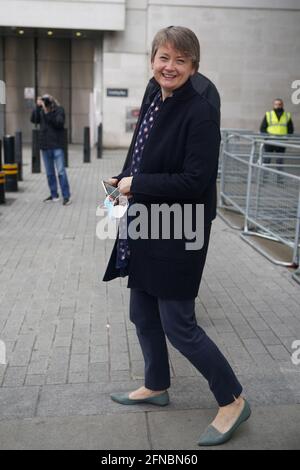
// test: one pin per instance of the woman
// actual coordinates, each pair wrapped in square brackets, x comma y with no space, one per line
[174,160]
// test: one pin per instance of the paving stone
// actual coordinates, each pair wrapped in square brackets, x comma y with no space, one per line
[119,362]
[279,352]
[99,354]
[18,402]
[181,429]
[98,372]
[69,335]
[254,346]
[14,376]
[35,379]
[77,433]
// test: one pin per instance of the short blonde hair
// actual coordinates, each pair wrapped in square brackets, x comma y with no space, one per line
[182,39]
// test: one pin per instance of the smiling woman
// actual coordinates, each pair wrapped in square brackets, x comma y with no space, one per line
[171,69]
[181,39]
[173,158]
[175,57]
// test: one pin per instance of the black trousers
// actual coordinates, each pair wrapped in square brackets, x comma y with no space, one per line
[274,149]
[155,319]
[279,161]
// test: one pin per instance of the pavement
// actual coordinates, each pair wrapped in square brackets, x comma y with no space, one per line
[69,341]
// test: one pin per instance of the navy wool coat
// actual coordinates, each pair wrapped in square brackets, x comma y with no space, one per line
[179,165]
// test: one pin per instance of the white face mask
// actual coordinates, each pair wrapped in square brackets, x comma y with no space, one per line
[116,211]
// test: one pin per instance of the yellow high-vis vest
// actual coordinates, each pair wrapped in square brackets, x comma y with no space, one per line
[277,126]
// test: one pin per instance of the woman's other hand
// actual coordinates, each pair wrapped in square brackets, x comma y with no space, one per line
[113,181]
[125,185]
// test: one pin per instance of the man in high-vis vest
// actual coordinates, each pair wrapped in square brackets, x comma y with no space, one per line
[277,123]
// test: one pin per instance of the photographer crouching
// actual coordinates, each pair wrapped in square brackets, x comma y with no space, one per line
[51,117]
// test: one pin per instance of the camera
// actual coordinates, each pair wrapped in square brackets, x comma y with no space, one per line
[47,101]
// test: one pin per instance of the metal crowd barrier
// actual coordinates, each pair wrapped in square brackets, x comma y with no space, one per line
[273,206]
[234,171]
[296,276]
[238,145]
[268,199]
[286,158]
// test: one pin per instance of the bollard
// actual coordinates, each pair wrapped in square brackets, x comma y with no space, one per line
[86,145]
[11,176]
[9,167]
[35,156]
[9,149]
[18,154]
[66,152]
[2,187]
[99,141]
[2,178]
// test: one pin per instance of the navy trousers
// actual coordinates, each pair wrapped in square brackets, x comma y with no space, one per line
[155,319]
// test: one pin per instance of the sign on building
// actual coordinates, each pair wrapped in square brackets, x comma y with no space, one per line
[29,93]
[132,115]
[2,92]
[117,92]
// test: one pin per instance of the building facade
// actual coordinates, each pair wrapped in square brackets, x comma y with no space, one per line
[93,56]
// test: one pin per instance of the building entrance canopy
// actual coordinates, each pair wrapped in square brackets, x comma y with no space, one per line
[84,14]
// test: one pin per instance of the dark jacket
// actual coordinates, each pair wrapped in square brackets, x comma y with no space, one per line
[179,165]
[202,85]
[51,127]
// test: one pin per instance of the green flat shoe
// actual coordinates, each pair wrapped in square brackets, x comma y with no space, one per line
[123,398]
[212,437]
